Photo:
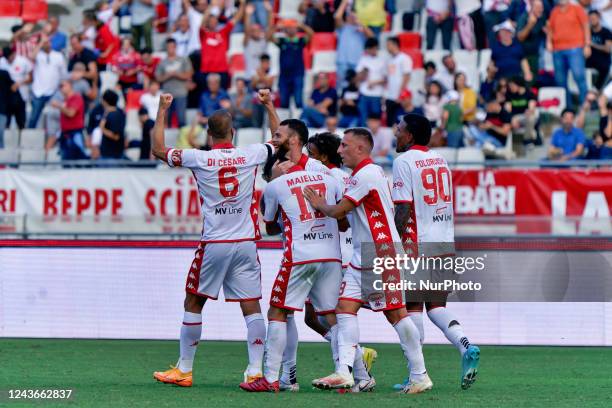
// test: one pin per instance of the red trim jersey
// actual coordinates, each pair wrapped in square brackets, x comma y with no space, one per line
[225,177]
[372,220]
[422,177]
[308,235]
[346,237]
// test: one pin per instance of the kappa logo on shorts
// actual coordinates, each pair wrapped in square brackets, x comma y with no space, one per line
[257,342]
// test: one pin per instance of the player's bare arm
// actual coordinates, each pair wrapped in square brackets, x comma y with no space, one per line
[265,98]
[343,224]
[402,211]
[159,144]
[337,211]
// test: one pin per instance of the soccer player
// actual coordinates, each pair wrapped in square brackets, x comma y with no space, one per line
[227,255]
[422,193]
[368,196]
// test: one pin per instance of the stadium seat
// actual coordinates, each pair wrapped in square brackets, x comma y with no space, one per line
[191,115]
[172,136]
[31,155]
[289,9]
[34,10]
[324,61]
[484,57]
[236,44]
[32,139]
[133,130]
[108,80]
[132,99]
[410,40]
[8,155]
[10,8]
[416,56]
[53,156]
[11,138]
[236,63]
[323,42]
[466,60]
[551,100]
[133,153]
[537,153]
[449,153]
[470,155]
[247,136]
[435,56]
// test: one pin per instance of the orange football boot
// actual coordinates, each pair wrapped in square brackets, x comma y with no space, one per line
[174,376]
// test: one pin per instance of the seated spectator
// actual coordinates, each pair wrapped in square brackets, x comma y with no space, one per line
[508,55]
[349,102]
[319,15]
[242,105]
[383,140]
[351,35]
[215,44]
[487,87]
[452,122]
[150,99]
[494,130]
[399,66]
[598,148]
[72,123]
[601,44]
[174,73]
[568,141]
[439,17]
[468,101]
[433,103]
[112,127]
[148,65]
[213,99]
[322,103]
[84,56]
[407,106]
[126,63]
[530,31]
[430,72]
[255,42]
[522,106]
[58,39]
[147,127]
[188,136]
[372,14]
[291,79]
[371,71]
[589,115]
[446,74]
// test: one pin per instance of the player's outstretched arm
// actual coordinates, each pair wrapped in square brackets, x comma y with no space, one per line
[337,211]
[265,98]
[159,143]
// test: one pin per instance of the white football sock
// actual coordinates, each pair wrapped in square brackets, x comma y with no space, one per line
[417,319]
[289,375]
[256,335]
[191,331]
[451,328]
[333,341]
[275,346]
[359,369]
[409,340]
[348,339]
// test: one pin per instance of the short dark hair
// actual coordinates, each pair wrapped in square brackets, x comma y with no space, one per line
[374,115]
[568,110]
[148,50]
[394,40]
[169,40]
[429,64]
[371,43]
[595,11]
[264,57]
[220,124]
[298,127]
[143,111]
[327,143]
[110,97]
[517,80]
[362,133]
[420,128]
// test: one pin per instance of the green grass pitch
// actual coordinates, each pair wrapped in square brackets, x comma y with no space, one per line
[118,373]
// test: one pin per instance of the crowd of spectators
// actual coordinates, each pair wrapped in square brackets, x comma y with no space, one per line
[64,75]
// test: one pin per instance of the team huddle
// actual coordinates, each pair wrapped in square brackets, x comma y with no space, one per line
[324,216]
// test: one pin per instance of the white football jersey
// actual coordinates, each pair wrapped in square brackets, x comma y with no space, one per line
[225,177]
[422,177]
[372,221]
[346,237]
[308,235]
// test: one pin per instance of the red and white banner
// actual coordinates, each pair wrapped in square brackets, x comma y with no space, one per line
[145,201]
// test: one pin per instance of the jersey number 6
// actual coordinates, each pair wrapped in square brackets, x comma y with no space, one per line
[228,183]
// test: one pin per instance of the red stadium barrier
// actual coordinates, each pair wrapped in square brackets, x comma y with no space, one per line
[416,56]
[323,42]
[409,40]
[34,10]
[10,8]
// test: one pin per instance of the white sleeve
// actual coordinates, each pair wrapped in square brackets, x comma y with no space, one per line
[357,190]
[402,182]
[271,203]
[184,158]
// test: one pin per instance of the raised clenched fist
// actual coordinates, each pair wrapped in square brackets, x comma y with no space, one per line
[165,100]
[265,96]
